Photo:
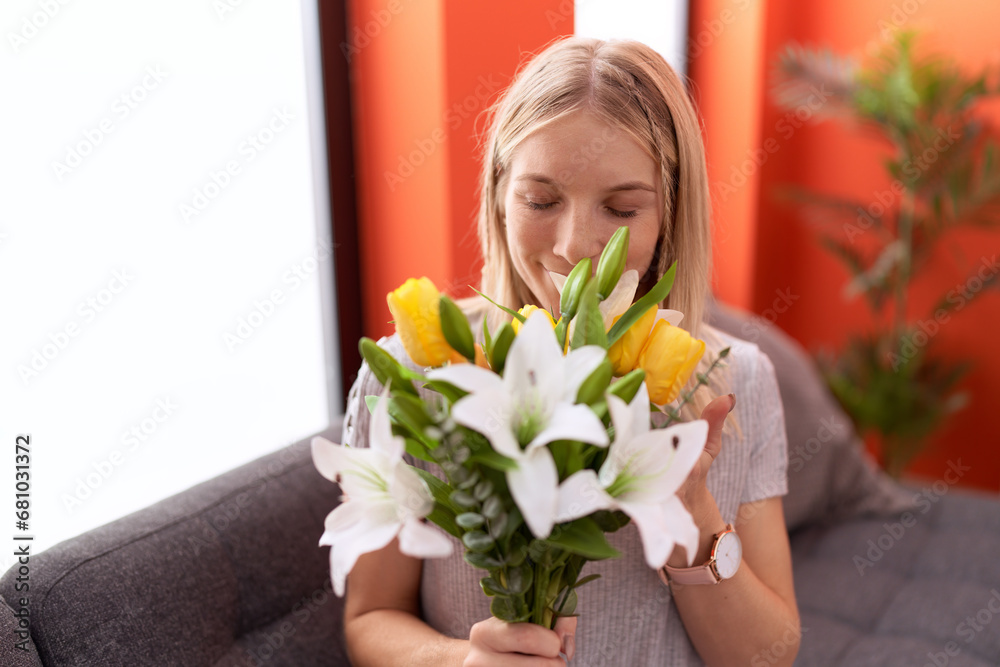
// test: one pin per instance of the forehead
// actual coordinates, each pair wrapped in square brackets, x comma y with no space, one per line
[581,148]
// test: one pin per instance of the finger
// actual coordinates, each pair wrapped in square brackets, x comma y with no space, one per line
[526,638]
[566,631]
[715,414]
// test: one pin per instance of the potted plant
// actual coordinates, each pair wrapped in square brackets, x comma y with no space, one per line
[893,381]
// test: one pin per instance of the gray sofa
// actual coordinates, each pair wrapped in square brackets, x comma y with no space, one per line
[228,573]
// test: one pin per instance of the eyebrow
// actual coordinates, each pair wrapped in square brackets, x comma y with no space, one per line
[628,185]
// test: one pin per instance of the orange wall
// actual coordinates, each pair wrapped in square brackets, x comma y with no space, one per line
[830,157]
[426,71]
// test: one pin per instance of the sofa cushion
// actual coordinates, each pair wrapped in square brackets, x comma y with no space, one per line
[218,574]
[16,650]
[920,588]
[830,477]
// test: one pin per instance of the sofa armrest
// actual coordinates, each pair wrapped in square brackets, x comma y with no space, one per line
[227,572]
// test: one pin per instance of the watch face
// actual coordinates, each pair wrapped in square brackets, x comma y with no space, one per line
[728,555]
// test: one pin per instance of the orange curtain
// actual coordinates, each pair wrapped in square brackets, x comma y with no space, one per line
[422,75]
[768,260]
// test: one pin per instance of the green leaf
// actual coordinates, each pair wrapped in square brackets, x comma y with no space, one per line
[501,345]
[494,460]
[451,393]
[592,389]
[487,340]
[586,580]
[505,609]
[513,313]
[478,541]
[582,537]
[388,371]
[492,587]
[482,561]
[652,298]
[589,328]
[628,385]
[417,449]
[444,512]
[568,605]
[456,329]
[518,579]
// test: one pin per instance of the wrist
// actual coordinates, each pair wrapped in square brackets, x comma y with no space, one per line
[708,519]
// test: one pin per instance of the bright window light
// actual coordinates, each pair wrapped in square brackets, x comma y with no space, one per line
[160,263]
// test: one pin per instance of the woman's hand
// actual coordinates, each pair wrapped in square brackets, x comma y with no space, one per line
[495,642]
[715,414]
[694,491]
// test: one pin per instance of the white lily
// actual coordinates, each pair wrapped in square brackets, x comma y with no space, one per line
[620,299]
[641,476]
[383,497]
[526,409]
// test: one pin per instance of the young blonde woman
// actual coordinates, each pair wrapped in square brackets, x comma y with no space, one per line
[590,136]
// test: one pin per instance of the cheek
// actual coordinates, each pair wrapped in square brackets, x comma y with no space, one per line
[642,248]
[526,240]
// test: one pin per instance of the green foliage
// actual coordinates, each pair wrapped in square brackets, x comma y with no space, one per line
[944,174]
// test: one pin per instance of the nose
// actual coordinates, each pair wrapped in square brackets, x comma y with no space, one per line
[577,236]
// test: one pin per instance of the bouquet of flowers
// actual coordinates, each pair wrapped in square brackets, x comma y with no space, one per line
[554,430]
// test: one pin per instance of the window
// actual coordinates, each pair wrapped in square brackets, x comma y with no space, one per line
[164,248]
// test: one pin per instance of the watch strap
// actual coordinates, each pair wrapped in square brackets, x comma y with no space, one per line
[699,574]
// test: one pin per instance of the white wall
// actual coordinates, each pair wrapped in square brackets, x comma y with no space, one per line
[661,24]
[159,264]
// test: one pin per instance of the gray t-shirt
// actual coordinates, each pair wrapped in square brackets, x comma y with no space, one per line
[627,617]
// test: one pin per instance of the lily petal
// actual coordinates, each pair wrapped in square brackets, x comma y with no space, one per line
[420,540]
[559,280]
[579,364]
[657,540]
[348,545]
[691,443]
[468,377]
[410,492]
[680,524]
[571,422]
[621,297]
[674,317]
[534,488]
[380,437]
[328,458]
[488,413]
[580,495]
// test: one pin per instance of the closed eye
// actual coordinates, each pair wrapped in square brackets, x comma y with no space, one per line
[623,214]
[540,206]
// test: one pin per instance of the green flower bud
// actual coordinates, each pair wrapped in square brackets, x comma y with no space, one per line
[612,263]
[573,288]
[456,329]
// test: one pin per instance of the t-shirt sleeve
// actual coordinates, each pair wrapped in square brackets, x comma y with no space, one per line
[357,416]
[768,467]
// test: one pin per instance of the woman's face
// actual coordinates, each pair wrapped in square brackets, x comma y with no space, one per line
[572,183]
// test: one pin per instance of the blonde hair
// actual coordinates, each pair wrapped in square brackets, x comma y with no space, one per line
[631,87]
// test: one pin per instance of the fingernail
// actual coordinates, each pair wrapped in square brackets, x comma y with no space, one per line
[569,646]
[733,398]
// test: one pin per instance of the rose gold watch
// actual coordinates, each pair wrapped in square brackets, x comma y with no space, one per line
[723,562]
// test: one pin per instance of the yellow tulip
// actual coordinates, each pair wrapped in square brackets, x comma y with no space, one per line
[624,354]
[669,358]
[527,311]
[415,306]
